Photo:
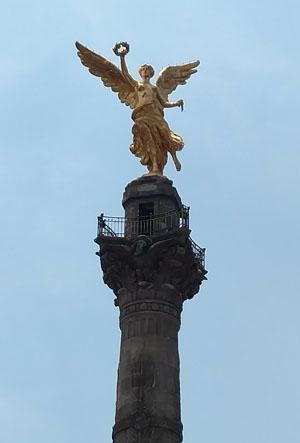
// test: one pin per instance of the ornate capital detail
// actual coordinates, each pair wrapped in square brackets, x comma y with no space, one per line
[151,305]
[138,268]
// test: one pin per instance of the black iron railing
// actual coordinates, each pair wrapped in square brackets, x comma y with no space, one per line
[149,225]
[199,253]
[163,223]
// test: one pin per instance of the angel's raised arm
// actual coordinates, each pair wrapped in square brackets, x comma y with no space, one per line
[121,49]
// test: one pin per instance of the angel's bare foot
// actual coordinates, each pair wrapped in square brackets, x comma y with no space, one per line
[176,161]
[177,164]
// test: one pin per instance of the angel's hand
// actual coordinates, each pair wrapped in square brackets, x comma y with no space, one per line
[179,103]
[121,49]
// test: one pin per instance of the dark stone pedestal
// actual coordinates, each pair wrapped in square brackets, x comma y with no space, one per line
[147,189]
[151,277]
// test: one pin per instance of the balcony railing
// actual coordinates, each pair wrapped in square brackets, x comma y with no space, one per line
[160,224]
[149,225]
[199,253]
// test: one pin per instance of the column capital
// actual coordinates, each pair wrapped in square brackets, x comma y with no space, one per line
[164,263]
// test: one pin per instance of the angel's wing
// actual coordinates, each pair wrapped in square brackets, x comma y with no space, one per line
[170,77]
[110,75]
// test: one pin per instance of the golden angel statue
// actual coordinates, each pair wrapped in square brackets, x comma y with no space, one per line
[152,137]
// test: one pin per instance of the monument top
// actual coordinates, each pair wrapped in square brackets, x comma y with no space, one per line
[152,137]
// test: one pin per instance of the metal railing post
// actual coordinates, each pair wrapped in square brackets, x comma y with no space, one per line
[122,227]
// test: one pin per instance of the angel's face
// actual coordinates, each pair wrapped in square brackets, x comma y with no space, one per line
[146,72]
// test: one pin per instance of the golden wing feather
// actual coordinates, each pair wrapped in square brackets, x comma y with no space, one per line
[110,75]
[171,76]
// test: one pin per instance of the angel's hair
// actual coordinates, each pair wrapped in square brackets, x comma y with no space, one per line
[148,67]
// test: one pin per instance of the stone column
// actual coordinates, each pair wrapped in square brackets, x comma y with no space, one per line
[151,277]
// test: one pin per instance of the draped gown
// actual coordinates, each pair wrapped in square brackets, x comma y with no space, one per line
[152,137]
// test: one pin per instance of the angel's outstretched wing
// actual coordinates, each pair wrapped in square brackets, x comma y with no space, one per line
[110,75]
[170,77]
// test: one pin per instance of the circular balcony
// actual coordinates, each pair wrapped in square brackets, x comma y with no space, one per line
[151,226]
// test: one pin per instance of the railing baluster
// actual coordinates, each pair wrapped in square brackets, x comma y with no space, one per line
[122,227]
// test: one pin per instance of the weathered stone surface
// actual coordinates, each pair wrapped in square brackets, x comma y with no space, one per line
[154,188]
[164,262]
[151,276]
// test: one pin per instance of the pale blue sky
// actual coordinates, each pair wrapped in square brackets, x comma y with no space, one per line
[65,159]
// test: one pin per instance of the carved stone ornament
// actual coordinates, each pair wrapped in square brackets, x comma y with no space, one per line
[164,263]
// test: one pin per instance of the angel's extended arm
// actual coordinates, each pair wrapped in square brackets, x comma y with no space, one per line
[167,104]
[125,72]
[172,76]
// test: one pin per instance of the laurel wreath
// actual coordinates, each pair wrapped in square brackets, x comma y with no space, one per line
[120,45]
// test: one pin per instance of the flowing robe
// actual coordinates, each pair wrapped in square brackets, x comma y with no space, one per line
[152,137]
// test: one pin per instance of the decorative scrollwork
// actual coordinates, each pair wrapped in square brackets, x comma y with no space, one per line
[169,261]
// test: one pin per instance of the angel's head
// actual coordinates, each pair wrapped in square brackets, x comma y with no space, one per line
[146,72]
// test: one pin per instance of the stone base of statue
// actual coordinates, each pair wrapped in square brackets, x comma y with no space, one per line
[152,266]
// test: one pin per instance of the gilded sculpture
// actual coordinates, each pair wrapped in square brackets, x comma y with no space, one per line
[152,137]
